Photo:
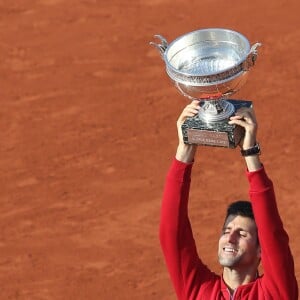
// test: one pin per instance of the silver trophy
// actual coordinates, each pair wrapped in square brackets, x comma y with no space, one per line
[209,65]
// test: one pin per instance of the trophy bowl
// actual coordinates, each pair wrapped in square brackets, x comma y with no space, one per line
[209,65]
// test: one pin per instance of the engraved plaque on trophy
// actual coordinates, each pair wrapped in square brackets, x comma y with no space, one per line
[209,65]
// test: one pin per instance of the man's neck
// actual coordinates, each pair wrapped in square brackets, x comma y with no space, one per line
[234,278]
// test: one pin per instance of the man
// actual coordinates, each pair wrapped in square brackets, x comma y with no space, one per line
[247,238]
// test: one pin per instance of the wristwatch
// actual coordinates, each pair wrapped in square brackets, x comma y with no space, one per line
[255,150]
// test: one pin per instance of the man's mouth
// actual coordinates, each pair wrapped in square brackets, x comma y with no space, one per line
[229,250]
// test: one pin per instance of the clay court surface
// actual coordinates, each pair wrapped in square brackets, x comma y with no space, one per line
[88,132]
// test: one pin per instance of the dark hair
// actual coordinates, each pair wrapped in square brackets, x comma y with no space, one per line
[240,208]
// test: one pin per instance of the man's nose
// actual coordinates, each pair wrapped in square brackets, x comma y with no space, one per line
[232,237]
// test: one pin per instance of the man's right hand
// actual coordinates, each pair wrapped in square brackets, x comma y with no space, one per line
[186,153]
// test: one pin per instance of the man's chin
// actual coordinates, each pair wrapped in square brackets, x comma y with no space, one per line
[229,263]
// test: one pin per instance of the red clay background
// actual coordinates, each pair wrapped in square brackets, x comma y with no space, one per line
[88,131]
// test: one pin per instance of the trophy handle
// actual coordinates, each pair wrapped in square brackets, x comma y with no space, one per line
[161,47]
[251,58]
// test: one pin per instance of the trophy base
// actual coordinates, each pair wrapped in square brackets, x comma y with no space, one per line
[218,134]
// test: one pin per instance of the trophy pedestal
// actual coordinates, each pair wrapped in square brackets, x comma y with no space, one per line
[220,134]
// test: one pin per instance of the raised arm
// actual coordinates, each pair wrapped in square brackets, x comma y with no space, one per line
[185,268]
[279,281]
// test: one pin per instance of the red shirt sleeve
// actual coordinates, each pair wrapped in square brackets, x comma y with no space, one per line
[186,269]
[277,260]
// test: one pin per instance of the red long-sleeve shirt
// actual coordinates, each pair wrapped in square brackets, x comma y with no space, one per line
[194,280]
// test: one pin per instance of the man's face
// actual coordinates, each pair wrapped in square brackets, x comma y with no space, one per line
[238,244]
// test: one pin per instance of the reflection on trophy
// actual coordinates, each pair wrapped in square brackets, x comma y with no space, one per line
[209,65]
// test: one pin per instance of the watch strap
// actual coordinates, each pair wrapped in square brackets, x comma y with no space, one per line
[255,150]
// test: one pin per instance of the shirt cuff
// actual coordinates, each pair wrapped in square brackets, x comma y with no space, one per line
[258,180]
[180,170]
